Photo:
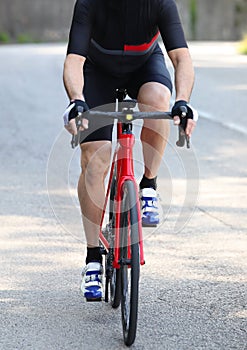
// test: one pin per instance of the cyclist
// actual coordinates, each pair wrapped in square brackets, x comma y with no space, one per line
[114,44]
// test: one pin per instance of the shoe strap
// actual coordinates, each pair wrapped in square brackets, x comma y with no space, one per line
[149,204]
[93,285]
[93,278]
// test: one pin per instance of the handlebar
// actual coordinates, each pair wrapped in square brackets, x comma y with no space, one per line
[127,115]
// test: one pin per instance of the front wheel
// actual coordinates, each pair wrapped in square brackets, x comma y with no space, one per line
[129,262]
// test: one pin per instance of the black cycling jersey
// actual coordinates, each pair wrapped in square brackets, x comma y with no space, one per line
[120,35]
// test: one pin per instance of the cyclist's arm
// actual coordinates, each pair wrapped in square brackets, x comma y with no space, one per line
[73,82]
[184,73]
[172,33]
[184,80]
[79,40]
[73,76]
[175,43]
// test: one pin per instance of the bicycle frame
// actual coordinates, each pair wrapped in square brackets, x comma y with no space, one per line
[123,159]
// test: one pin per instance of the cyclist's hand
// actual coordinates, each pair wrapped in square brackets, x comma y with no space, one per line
[192,116]
[71,113]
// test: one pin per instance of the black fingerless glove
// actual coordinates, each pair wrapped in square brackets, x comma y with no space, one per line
[74,110]
[176,110]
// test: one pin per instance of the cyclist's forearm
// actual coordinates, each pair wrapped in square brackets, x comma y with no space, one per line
[184,74]
[73,76]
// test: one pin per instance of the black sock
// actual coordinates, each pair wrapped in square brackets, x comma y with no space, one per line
[148,183]
[93,255]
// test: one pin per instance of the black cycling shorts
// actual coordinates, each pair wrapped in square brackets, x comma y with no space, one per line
[100,89]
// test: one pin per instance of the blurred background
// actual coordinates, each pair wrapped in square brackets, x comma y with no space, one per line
[49,20]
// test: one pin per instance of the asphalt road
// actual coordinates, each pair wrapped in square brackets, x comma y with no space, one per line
[193,286]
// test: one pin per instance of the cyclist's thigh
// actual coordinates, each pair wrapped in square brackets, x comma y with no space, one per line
[99,90]
[154,70]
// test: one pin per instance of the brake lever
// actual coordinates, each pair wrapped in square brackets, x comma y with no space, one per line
[187,138]
[74,141]
[78,122]
[182,137]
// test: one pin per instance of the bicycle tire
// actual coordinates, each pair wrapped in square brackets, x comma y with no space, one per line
[130,268]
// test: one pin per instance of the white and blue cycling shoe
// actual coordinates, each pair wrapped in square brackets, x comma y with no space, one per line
[149,207]
[91,286]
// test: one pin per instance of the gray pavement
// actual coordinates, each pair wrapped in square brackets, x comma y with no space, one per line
[220,90]
[221,83]
[193,286]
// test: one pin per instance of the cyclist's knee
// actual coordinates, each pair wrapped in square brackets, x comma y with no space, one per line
[95,159]
[155,95]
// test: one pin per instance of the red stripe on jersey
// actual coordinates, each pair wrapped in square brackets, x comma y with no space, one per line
[142,47]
